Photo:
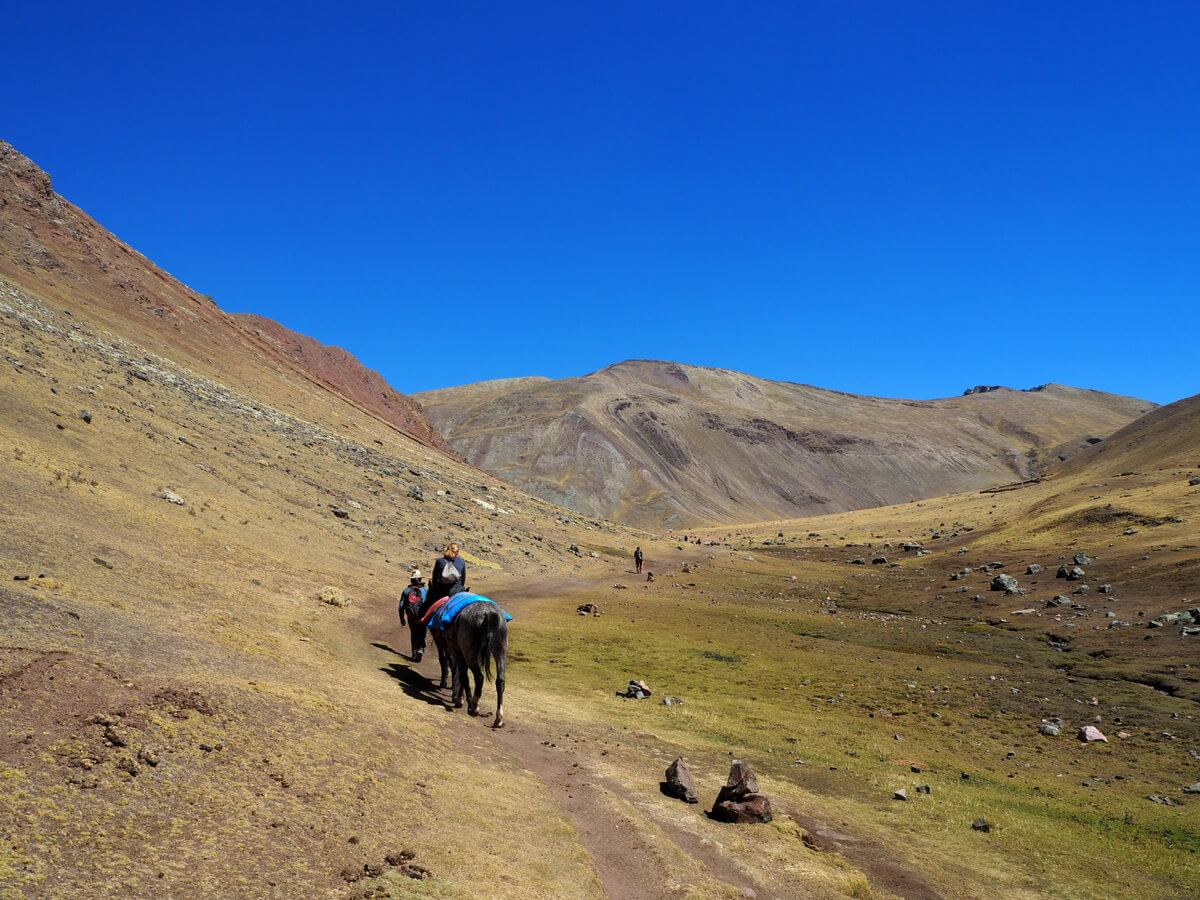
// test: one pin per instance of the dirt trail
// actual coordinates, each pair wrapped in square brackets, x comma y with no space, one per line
[599,808]
[624,860]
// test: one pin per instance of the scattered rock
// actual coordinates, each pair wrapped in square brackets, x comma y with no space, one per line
[1033,569]
[879,561]
[1186,617]
[900,795]
[416,492]
[1058,600]
[1005,583]
[679,783]
[982,824]
[1090,733]
[333,597]
[1082,559]
[1050,729]
[1194,481]
[86,417]
[102,562]
[637,690]
[588,609]
[857,561]
[924,789]
[1074,573]
[170,497]
[1160,799]
[1192,788]
[672,701]
[739,800]
[340,513]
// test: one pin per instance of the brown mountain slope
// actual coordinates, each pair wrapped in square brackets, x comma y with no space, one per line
[1167,437]
[341,372]
[658,443]
[54,249]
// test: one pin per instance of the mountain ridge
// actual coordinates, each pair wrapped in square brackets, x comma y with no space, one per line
[665,444]
[56,250]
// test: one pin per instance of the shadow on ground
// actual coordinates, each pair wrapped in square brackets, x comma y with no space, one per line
[412,682]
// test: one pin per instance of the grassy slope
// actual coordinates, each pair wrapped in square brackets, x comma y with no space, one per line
[835,708]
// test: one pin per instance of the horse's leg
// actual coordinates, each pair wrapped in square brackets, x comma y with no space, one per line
[443,657]
[460,680]
[473,700]
[500,652]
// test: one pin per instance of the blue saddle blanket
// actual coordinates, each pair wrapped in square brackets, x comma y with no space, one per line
[457,604]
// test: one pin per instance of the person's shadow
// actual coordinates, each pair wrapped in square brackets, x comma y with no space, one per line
[412,682]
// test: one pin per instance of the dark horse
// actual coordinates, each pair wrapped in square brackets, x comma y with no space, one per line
[478,635]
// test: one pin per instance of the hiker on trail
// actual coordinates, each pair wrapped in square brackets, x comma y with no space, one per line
[411,600]
[449,577]
[637,560]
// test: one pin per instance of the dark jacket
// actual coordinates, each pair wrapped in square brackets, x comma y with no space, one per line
[439,588]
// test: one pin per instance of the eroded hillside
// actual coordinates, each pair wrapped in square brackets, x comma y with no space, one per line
[666,445]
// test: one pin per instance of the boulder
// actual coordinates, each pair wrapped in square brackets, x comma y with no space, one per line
[637,690]
[170,497]
[1005,583]
[1033,569]
[679,783]
[1090,734]
[1082,559]
[900,795]
[1192,788]
[1058,600]
[1074,573]
[981,824]
[1185,617]
[1050,729]
[588,609]
[739,800]
[1194,480]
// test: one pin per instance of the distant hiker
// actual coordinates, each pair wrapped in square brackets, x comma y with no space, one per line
[411,600]
[637,560]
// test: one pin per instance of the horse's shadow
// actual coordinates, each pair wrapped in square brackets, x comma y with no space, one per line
[412,682]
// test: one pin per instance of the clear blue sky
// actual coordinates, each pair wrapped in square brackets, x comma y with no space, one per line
[900,199]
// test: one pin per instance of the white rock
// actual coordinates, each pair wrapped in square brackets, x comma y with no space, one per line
[1090,733]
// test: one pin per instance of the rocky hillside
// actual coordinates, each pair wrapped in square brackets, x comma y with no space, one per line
[52,248]
[342,373]
[662,444]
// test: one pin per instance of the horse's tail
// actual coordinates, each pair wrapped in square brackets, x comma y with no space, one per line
[494,642]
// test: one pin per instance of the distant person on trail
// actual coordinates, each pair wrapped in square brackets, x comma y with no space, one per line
[412,598]
[637,560]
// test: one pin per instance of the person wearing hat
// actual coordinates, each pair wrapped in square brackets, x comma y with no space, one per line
[411,601]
